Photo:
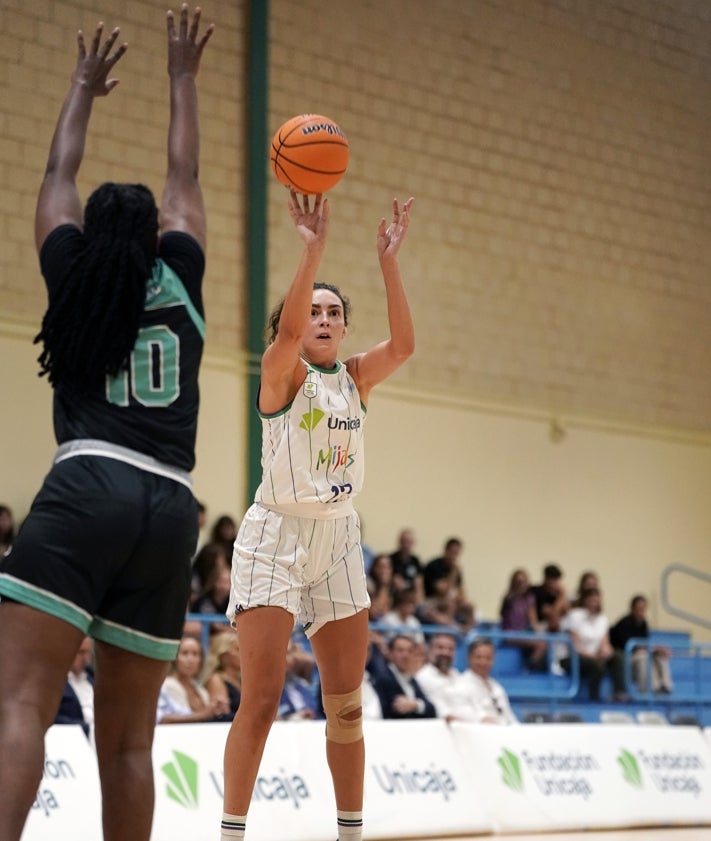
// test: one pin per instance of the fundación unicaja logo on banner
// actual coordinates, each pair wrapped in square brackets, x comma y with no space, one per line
[511,775]
[182,780]
[630,768]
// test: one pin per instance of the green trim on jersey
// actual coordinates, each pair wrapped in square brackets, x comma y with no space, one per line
[27,594]
[134,641]
[165,289]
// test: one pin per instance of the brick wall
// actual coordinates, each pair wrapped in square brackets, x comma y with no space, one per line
[559,153]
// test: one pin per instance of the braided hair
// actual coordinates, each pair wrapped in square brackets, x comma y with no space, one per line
[92,320]
[275,316]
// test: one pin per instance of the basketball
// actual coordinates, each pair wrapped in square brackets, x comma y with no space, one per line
[309,153]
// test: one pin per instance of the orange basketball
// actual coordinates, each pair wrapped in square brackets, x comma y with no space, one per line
[309,153]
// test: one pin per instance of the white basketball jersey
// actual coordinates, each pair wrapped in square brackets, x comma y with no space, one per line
[312,451]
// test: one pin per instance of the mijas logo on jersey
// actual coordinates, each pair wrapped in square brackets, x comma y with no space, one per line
[311,419]
[182,776]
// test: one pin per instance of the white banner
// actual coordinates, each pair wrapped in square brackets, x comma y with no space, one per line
[68,801]
[578,776]
[417,783]
[293,787]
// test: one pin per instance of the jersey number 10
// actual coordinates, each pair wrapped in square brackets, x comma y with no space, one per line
[152,376]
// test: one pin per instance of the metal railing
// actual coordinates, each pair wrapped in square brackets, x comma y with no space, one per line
[698,574]
[690,665]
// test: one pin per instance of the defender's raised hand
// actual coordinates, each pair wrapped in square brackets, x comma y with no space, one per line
[184,47]
[95,65]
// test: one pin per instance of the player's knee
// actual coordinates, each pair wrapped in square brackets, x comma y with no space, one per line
[344,717]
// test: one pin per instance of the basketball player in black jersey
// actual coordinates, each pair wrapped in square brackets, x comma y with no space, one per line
[106,547]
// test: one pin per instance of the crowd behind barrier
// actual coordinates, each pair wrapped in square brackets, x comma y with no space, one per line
[559,695]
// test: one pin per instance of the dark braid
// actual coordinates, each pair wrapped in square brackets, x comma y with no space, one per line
[92,321]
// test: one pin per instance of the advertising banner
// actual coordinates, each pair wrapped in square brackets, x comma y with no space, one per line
[293,788]
[68,801]
[577,776]
[417,783]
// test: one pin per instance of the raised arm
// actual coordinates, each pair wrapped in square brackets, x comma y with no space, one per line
[281,366]
[372,367]
[182,207]
[58,201]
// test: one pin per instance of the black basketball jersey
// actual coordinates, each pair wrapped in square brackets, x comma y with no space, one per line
[151,405]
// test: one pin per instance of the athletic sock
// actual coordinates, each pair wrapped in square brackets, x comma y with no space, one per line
[233,827]
[350,826]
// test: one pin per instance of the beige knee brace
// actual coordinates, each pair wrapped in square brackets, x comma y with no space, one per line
[338,728]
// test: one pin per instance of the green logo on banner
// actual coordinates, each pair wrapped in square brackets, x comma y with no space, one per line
[310,419]
[630,768]
[182,780]
[510,770]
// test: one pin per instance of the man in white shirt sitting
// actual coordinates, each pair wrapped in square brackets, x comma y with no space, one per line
[439,675]
[476,696]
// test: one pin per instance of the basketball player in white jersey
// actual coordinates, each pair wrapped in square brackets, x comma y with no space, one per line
[298,553]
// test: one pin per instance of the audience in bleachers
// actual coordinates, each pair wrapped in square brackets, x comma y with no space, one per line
[299,700]
[77,704]
[381,586]
[588,627]
[439,673]
[443,582]
[182,698]
[476,696]
[7,528]
[634,625]
[407,568]
[402,616]
[551,599]
[400,694]
[224,530]
[518,613]
[222,675]
[588,581]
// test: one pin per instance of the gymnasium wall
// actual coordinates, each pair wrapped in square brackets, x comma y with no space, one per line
[558,406]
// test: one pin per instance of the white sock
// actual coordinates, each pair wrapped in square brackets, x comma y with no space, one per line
[350,826]
[233,827]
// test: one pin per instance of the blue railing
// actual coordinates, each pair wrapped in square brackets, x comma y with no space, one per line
[690,665]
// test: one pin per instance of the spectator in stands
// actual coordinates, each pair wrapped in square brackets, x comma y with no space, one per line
[477,696]
[202,520]
[77,704]
[439,673]
[368,554]
[400,694]
[443,577]
[209,561]
[381,587]
[634,625]
[299,701]
[182,699]
[407,568]
[589,629]
[402,616]
[7,528]
[518,613]
[215,598]
[224,530]
[551,599]
[222,674]
[588,581]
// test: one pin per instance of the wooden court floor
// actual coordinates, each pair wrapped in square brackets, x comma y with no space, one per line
[646,834]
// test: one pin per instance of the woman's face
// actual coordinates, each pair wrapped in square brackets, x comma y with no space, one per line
[326,328]
[189,659]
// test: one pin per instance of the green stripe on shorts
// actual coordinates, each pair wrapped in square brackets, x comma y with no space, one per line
[132,640]
[28,594]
